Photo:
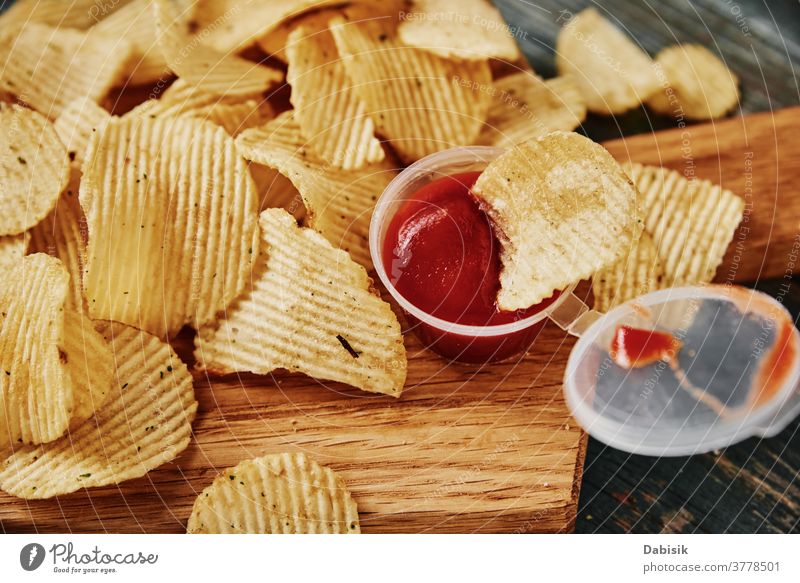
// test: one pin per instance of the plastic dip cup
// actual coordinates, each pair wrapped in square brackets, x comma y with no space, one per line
[460,342]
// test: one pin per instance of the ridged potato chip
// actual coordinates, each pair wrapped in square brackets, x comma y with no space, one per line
[692,222]
[76,125]
[467,29]
[562,208]
[639,272]
[702,86]
[172,219]
[525,107]
[614,74]
[339,202]
[331,115]
[287,493]
[49,68]
[34,168]
[80,14]
[144,423]
[36,394]
[420,102]
[310,309]
[274,42]
[215,72]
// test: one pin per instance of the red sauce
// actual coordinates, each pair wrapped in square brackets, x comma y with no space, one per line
[441,254]
[635,347]
[776,365]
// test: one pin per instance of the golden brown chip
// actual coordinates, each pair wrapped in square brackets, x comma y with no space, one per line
[234,118]
[698,84]
[332,117]
[80,14]
[639,272]
[525,107]
[34,168]
[49,68]
[613,73]
[339,202]
[171,212]
[12,250]
[61,234]
[36,395]
[562,208]
[286,493]
[274,43]
[215,72]
[76,125]
[419,101]
[310,310]
[691,221]
[467,29]
[145,422]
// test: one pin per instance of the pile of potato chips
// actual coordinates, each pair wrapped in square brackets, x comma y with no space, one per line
[156,176]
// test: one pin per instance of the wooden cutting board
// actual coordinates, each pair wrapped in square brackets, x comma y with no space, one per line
[467,448]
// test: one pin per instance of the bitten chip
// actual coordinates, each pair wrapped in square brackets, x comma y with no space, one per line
[639,272]
[467,29]
[144,423]
[34,168]
[286,493]
[614,74]
[562,209]
[310,309]
[339,202]
[171,212]
[332,117]
[525,107]
[698,84]
[420,102]
[49,68]
[691,221]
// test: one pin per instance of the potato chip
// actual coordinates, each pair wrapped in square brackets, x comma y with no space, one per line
[332,117]
[613,73]
[691,221]
[61,234]
[36,396]
[216,72]
[80,14]
[34,168]
[12,250]
[145,422]
[419,101]
[639,272]
[49,68]
[311,310]
[562,209]
[526,107]
[172,218]
[339,202]
[76,125]
[699,85]
[286,493]
[274,43]
[468,29]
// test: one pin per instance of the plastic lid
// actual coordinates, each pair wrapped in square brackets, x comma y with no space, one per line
[734,374]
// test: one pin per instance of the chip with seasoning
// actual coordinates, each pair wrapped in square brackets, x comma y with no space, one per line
[145,422]
[331,115]
[172,221]
[698,84]
[420,102]
[468,29]
[76,125]
[34,168]
[562,208]
[286,493]
[691,221]
[613,73]
[298,315]
[525,107]
[339,202]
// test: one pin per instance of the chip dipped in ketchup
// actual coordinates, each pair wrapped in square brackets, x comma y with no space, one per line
[441,254]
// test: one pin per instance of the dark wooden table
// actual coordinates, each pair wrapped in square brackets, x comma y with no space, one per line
[752,486]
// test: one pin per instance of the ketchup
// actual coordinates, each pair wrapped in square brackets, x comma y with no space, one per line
[441,254]
[635,348]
